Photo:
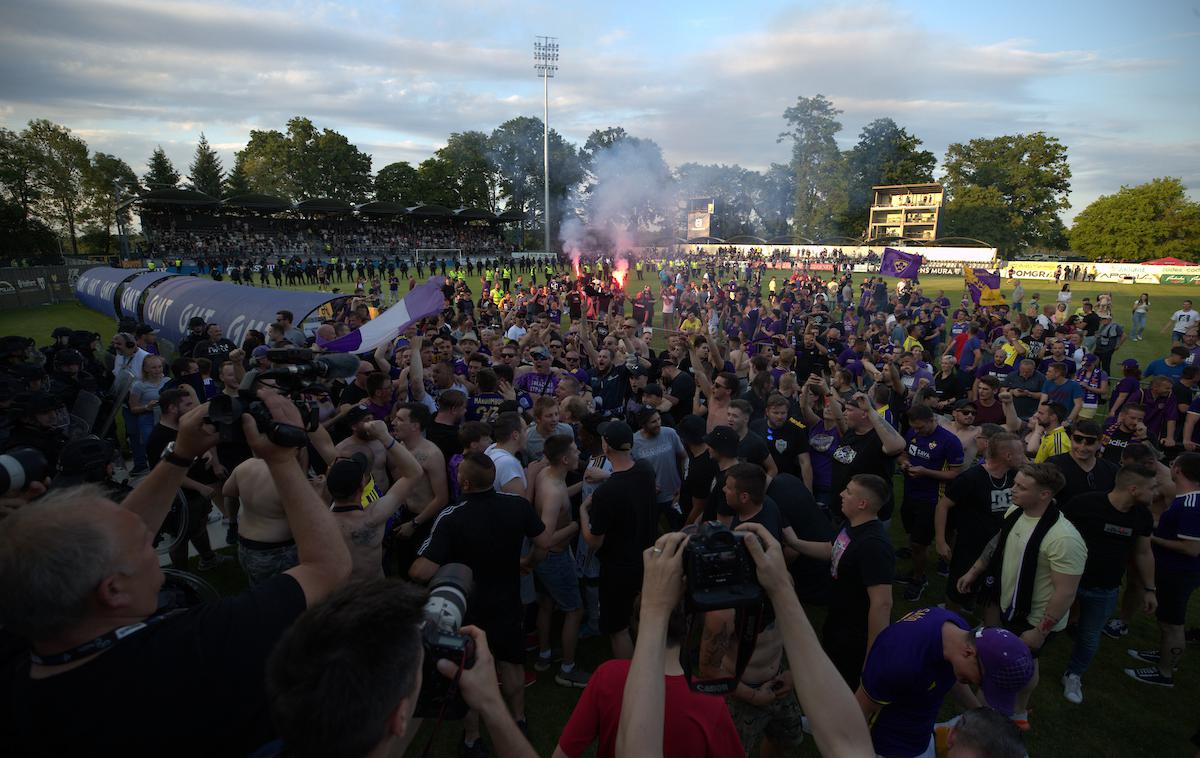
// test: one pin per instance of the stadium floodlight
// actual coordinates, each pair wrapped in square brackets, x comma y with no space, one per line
[545,62]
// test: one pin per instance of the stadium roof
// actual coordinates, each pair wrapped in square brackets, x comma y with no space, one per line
[512,215]
[475,213]
[430,210]
[258,202]
[324,205]
[176,196]
[381,208]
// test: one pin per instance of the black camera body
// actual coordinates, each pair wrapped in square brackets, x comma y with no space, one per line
[720,572]
[444,611]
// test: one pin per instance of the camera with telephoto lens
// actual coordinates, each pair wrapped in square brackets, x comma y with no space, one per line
[21,467]
[294,372]
[445,609]
[720,572]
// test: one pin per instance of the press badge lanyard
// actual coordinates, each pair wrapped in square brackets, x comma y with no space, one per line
[103,642]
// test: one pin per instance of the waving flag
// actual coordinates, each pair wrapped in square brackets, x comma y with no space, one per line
[983,285]
[424,300]
[900,264]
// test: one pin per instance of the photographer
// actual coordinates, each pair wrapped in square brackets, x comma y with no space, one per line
[100,653]
[837,723]
[345,677]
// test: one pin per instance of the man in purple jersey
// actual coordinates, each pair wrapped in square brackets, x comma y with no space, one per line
[542,380]
[916,661]
[932,455]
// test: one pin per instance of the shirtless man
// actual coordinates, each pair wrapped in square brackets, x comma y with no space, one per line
[962,424]
[718,392]
[429,492]
[265,544]
[555,572]
[362,523]
[364,438]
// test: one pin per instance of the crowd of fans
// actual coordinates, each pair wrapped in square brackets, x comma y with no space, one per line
[551,433]
[203,236]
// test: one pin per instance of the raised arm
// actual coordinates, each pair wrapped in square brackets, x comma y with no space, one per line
[153,497]
[416,371]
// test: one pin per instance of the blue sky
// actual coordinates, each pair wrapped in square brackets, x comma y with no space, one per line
[708,81]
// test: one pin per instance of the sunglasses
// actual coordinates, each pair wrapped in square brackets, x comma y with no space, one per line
[1081,440]
[967,411]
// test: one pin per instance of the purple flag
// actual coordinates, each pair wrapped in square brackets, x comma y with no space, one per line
[424,300]
[983,285]
[900,264]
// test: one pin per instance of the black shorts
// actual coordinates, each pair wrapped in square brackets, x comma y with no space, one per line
[618,589]
[1174,589]
[505,636]
[917,518]
[1020,627]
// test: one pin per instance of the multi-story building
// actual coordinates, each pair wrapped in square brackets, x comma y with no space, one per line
[905,210]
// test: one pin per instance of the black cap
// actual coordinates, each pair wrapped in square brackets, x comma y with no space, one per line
[618,435]
[964,404]
[691,429]
[195,321]
[357,413]
[144,329]
[724,440]
[61,331]
[346,475]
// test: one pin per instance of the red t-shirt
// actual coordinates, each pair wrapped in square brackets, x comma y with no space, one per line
[696,724]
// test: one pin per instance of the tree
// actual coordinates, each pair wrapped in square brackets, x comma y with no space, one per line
[397,183]
[885,154]
[1151,220]
[162,173]
[631,186]
[517,154]
[206,170]
[60,168]
[1031,173]
[981,213]
[18,183]
[734,191]
[237,181]
[775,200]
[469,170]
[816,163]
[306,163]
[108,183]
[24,236]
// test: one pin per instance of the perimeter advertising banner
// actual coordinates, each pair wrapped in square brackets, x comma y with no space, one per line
[1118,273]
[23,286]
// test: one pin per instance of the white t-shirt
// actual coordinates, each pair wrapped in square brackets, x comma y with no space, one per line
[507,467]
[516,332]
[1183,320]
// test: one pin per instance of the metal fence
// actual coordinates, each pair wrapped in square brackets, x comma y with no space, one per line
[23,286]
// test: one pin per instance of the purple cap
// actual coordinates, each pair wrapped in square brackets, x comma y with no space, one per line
[260,352]
[1007,667]
[1091,358]
[1129,363]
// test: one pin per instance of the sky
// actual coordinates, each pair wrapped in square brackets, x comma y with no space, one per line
[708,81]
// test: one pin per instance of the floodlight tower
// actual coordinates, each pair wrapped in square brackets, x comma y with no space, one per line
[545,62]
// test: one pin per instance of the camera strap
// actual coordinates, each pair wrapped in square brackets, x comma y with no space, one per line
[103,642]
[748,621]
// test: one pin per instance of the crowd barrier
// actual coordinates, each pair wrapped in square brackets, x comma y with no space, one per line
[38,285]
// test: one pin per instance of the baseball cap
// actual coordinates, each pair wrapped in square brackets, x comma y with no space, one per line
[260,352]
[961,404]
[724,440]
[617,434]
[691,429]
[1130,363]
[469,337]
[357,413]
[1091,358]
[1007,667]
[144,329]
[195,321]
[345,476]
[61,331]
[68,357]
[540,353]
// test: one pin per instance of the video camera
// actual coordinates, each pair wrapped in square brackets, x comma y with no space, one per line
[721,577]
[445,609]
[295,371]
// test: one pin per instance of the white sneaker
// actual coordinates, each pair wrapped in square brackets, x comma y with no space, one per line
[1072,688]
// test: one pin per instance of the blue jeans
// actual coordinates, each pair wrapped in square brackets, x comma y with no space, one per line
[137,428]
[1139,325]
[1095,607]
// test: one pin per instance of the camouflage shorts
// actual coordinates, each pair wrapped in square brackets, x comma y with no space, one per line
[780,720]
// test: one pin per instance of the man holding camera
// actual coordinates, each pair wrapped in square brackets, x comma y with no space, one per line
[486,532]
[99,650]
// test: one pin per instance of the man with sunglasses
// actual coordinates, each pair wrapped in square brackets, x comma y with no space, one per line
[1082,466]
[921,658]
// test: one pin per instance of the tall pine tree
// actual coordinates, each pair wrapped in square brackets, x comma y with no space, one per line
[162,173]
[237,181]
[206,171]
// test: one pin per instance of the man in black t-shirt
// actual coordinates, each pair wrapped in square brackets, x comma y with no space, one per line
[680,388]
[619,522]
[700,468]
[869,445]
[486,531]
[1129,428]
[972,509]
[751,447]
[745,492]
[1082,466]
[786,438]
[801,512]
[216,348]
[92,690]
[1114,526]
[862,564]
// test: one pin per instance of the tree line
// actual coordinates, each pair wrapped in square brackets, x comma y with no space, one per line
[1008,190]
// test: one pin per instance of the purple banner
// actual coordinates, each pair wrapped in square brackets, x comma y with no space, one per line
[97,288]
[130,293]
[900,264]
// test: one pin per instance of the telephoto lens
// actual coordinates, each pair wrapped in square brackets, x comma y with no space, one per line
[20,467]
[449,591]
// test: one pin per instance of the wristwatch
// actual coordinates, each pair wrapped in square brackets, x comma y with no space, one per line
[175,460]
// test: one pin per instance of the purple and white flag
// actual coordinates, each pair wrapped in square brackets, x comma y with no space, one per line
[424,300]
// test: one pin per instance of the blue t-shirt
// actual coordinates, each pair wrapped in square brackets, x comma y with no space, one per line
[1064,393]
[907,673]
[1160,367]
[1179,522]
[967,361]
[938,451]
